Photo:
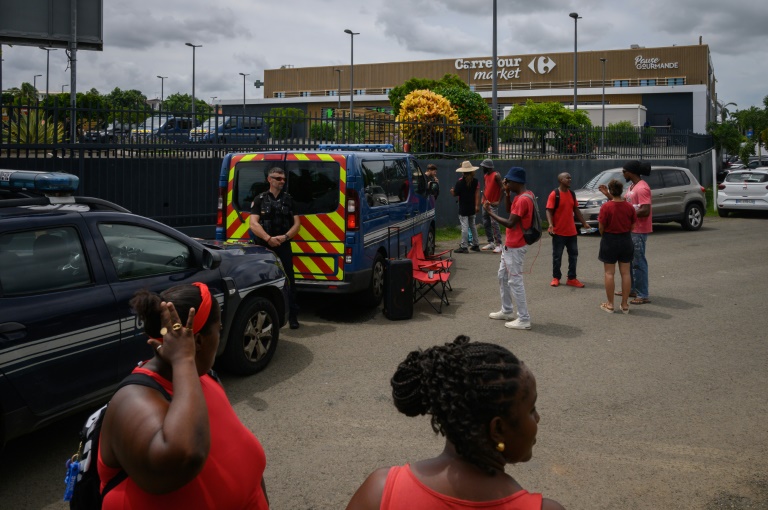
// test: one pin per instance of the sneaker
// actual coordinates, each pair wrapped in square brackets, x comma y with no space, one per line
[461,249]
[573,282]
[502,315]
[474,247]
[489,247]
[555,282]
[497,249]
[294,323]
[518,324]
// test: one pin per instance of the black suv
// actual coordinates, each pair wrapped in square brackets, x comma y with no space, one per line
[68,267]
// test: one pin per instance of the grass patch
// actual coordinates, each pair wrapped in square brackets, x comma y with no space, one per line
[711,205]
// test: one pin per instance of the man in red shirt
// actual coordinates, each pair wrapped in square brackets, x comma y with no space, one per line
[513,254]
[561,209]
[492,194]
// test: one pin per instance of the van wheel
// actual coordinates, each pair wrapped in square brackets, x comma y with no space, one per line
[693,217]
[373,296]
[253,338]
[430,248]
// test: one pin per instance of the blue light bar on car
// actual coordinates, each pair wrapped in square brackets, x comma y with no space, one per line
[42,182]
[356,147]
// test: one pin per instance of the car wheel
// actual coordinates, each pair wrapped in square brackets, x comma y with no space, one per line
[430,248]
[723,213]
[693,217]
[253,338]
[375,292]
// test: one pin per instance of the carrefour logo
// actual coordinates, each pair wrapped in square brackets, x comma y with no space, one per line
[542,65]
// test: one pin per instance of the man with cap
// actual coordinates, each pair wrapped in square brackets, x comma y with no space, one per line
[491,194]
[513,253]
[639,195]
[467,189]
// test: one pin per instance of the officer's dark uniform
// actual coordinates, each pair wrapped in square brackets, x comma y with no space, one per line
[276,218]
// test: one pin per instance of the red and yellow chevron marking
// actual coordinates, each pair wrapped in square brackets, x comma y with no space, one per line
[319,245]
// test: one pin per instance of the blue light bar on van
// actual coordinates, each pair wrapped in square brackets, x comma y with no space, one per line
[42,182]
[380,147]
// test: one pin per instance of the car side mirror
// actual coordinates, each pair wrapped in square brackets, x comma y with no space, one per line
[211,259]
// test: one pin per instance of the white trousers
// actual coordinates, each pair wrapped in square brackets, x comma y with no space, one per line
[511,282]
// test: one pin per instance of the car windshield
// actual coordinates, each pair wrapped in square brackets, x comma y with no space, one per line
[604,178]
[152,122]
[757,177]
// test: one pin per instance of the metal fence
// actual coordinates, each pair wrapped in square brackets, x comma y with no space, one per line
[44,131]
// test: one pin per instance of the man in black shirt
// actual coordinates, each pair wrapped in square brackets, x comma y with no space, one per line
[274,223]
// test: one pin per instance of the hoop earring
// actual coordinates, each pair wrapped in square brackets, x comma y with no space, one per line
[500,447]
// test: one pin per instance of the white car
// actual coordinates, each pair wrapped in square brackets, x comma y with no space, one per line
[743,190]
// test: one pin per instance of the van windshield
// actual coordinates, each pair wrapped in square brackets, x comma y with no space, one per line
[152,122]
[213,122]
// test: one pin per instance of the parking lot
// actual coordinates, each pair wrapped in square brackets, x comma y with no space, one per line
[661,408]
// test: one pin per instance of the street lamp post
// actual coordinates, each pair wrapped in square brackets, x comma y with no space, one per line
[213,100]
[602,132]
[494,91]
[193,46]
[576,19]
[243,75]
[339,93]
[162,91]
[351,69]
[34,86]
[62,87]
[47,66]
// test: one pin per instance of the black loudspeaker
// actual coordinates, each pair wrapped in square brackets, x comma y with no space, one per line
[398,289]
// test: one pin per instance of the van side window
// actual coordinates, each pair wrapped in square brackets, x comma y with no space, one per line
[250,181]
[390,176]
[418,177]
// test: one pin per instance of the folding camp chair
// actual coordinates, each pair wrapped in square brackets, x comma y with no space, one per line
[431,278]
[445,258]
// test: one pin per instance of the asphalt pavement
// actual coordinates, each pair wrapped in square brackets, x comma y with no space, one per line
[661,408]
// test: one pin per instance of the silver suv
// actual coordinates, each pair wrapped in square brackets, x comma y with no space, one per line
[676,195]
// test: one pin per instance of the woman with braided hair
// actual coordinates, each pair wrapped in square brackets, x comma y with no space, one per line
[483,400]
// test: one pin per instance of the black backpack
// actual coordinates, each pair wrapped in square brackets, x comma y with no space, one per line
[532,234]
[83,482]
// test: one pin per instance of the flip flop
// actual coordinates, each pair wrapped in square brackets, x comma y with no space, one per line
[604,307]
[625,310]
[640,301]
[631,294]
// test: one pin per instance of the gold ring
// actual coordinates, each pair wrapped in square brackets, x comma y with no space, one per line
[163,331]
[177,326]
[159,347]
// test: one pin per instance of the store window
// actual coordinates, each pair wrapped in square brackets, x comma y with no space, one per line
[621,83]
[305,93]
[647,83]
[675,81]
[279,94]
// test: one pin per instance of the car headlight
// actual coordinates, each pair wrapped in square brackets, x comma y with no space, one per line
[595,202]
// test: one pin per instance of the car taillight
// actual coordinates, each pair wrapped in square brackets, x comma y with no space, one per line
[703,189]
[220,207]
[721,186]
[353,210]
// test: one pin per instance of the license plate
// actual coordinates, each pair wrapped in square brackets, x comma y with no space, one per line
[745,201]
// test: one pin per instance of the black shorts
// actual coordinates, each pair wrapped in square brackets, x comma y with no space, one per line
[616,248]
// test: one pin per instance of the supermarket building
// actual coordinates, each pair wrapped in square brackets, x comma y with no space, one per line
[676,84]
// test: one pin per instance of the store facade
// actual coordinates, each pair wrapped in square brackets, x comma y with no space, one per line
[676,84]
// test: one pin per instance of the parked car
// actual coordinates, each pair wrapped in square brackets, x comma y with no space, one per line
[676,195]
[68,268]
[230,129]
[743,190]
[109,132]
[163,129]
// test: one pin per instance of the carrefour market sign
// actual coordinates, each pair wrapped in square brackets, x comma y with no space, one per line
[507,68]
[653,63]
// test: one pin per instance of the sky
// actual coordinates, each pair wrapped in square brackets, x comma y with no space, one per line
[144,39]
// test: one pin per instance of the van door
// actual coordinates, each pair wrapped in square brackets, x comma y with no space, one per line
[388,204]
[424,204]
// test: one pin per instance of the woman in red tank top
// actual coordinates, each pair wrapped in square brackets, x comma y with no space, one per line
[483,400]
[191,452]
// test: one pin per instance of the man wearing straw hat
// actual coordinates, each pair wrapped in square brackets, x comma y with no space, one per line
[468,190]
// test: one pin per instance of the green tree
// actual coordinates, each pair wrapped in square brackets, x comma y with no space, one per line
[397,94]
[543,118]
[181,104]
[473,112]
[726,136]
[282,120]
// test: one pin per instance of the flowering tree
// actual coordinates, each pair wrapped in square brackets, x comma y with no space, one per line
[428,121]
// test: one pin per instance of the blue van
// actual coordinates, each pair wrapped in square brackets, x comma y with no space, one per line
[357,208]
[230,129]
[163,129]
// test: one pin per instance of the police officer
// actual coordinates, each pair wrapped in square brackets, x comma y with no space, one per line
[274,224]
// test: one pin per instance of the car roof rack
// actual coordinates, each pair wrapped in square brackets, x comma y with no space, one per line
[371,147]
